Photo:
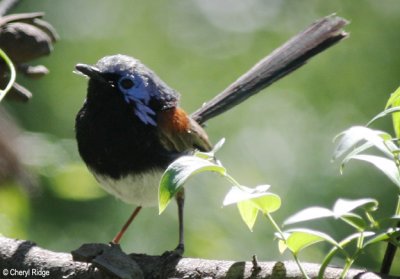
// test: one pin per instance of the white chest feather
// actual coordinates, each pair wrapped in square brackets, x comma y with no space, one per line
[140,189]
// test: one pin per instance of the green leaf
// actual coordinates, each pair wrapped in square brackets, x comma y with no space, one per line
[310,213]
[218,145]
[299,239]
[383,114]
[344,206]
[341,209]
[340,248]
[354,152]
[347,240]
[262,199]
[394,101]
[388,148]
[382,237]
[237,194]
[351,137]
[178,172]
[211,155]
[282,246]
[248,211]
[387,166]
[268,203]
[354,220]
[250,200]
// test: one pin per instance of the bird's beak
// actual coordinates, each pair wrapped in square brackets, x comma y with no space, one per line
[90,71]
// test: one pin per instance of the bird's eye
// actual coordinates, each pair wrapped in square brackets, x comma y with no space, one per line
[126,83]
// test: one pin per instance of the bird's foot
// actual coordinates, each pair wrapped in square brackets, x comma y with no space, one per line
[175,254]
[180,249]
[109,258]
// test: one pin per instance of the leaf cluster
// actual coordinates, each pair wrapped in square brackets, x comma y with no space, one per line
[358,214]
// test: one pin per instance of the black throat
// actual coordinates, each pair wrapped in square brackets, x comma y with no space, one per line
[112,140]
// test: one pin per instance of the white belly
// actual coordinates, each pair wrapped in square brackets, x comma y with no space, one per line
[141,189]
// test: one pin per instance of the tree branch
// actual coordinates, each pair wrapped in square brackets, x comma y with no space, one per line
[21,255]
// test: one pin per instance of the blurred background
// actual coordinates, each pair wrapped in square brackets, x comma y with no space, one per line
[282,136]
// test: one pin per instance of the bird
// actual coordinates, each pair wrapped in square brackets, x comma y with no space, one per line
[130,129]
[131,126]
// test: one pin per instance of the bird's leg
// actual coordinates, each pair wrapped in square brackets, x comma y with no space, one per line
[118,237]
[180,200]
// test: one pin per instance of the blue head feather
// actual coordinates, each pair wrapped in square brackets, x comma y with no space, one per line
[139,95]
[146,85]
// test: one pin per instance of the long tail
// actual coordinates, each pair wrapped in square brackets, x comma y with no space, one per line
[319,36]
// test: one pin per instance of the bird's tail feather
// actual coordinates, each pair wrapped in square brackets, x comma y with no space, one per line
[290,56]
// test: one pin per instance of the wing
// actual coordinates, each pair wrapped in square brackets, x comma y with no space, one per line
[178,132]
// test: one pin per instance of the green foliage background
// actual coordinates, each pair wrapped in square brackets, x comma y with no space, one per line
[282,137]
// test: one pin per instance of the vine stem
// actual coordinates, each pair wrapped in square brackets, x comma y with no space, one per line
[12,74]
[282,235]
[234,181]
[276,227]
[350,261]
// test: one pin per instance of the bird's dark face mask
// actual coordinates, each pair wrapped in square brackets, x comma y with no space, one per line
[138,85]
[133,86]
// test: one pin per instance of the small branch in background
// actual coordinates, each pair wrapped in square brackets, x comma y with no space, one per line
[7,5]
[25,37]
